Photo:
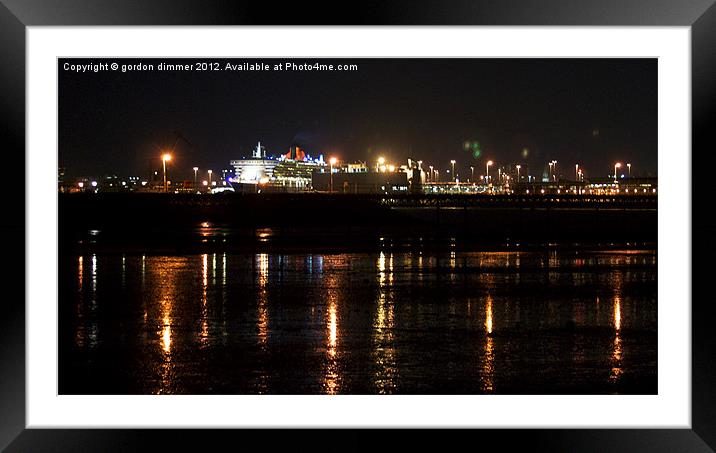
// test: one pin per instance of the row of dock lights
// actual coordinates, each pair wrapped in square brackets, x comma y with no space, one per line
[382,166]
[433,175]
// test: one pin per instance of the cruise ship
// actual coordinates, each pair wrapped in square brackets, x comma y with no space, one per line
[290,172]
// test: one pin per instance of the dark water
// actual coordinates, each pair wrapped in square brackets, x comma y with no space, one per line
[545,321]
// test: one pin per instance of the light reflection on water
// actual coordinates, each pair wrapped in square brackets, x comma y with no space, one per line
[489,358]
[262,318]
[79,310]
[391,322]
[87,329]
[263,321]
[332,378]
[383,330]
[617,352]
[331,367]
[204,333]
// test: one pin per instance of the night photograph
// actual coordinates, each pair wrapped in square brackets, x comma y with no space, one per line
[357,226]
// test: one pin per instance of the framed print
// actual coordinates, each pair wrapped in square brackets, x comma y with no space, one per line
[482,220]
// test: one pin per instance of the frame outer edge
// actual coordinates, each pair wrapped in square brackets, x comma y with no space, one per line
[12,115]
[703,105]
[381,12]
[12,228]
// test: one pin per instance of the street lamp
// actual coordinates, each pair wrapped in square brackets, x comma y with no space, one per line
[210,172]
[555,169]
[518,172]
[487,171]
[576,171]
[629,167]
[195,170]
[617,165]
[165,158]
[381,162]
[333,161]
[454,176]
[472,174]
[431,173]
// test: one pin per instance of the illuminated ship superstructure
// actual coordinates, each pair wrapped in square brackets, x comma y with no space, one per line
[254,169]
[287,172]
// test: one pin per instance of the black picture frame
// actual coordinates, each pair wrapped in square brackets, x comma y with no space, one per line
[16,15]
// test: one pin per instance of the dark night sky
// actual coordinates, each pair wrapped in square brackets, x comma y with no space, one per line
[117,123]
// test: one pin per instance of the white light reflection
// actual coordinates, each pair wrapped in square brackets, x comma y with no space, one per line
[224,297]
[223,270]
[166,334]
[93,279]
[383,331]
[262,318]
[332,330]
[617,348]
[331,380]
[124,271]
[488,315]
[213,269]
[80,329]
[91,326]
[204,334]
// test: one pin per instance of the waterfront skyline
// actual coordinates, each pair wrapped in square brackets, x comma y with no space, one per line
[594,112]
